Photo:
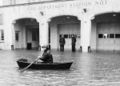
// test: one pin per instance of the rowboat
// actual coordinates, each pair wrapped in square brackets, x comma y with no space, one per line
[22,63]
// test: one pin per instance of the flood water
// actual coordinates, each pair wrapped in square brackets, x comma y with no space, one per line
[88,69]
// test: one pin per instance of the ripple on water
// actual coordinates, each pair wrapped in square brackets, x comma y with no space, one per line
[88,69]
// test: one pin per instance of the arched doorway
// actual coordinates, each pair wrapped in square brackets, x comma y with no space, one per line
[26,33]
[108,31]
[67,26]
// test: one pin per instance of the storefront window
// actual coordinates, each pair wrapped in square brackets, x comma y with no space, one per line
[117,35]
[105,35]
[66,36]
[1,35]
[111,35]
[100,35]
[35,34]
[70,35]
[17,35]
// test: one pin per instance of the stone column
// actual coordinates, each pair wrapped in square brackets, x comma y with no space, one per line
[85,34]
[13,35]
[43,33]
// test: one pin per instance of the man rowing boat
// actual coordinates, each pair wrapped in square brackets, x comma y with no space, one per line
[46,56]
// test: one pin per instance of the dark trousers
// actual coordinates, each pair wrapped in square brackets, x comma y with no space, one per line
[61,47]
[73,48]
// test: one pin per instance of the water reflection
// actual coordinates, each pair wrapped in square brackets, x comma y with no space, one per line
[88,69]
[85,66]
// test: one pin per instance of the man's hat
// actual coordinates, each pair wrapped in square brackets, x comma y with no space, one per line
[46,48]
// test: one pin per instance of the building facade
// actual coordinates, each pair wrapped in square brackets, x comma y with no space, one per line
[34,23]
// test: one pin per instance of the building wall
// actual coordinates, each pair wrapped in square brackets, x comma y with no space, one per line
[84,10]
[93,40]
[54,36]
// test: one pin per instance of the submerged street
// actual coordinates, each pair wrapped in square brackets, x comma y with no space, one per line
[88,69]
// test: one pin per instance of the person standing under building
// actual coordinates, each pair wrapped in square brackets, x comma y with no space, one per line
[73,43]
[62,42]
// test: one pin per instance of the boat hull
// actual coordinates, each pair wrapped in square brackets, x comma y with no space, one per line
[56,65]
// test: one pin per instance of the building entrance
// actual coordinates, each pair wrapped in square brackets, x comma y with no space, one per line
[69,30]
[109,36]
[26,34]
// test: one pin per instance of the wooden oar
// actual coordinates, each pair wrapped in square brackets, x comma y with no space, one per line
[30,64]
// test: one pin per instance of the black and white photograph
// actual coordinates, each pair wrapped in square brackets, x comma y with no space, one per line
[59,42]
